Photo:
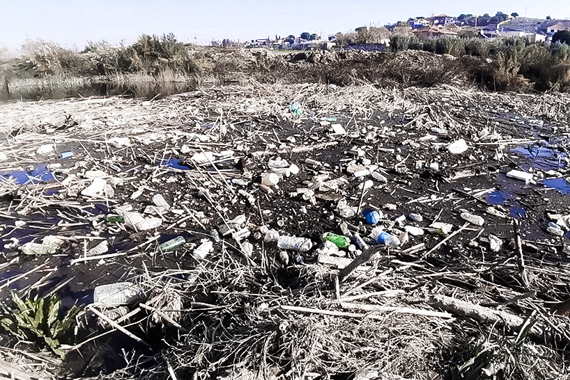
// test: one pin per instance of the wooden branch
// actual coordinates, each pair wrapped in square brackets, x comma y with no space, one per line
[384,293]
[446,239]
[368,308]
[480,313]
[163,316]
[361,259]
[117,326]
[519,251]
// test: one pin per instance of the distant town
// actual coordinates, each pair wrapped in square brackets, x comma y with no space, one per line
[501,25]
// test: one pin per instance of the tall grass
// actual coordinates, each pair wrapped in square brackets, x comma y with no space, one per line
[507,64]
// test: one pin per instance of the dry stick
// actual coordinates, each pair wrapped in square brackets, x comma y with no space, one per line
[361,259]
[520,257]
[446,239]
[481,313]
[384,293]
[98,257]
[117,326]
[361,198]
[394,309]
[163,316]
[366,283]
[359,315]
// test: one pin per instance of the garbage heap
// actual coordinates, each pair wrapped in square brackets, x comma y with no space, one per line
[295,231]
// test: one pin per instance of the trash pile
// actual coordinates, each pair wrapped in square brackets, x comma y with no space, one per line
[288,231]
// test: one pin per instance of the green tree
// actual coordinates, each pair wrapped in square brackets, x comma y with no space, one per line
[562,36]
[306,35]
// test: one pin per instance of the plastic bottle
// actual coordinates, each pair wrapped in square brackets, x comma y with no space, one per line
[294,243]
[271,235]
[339,240]
[372,217]
[473,219]
[359,241]
[171,244]
[379,177]
[120,293]
[388,240]
[415,217]
[554,229]
[296,107]
[113,218]
[39,249]
[204,249]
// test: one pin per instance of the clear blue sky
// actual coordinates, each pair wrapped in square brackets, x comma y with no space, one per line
[73,22]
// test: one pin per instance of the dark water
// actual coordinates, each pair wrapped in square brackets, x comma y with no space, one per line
[144,90]
[541,157]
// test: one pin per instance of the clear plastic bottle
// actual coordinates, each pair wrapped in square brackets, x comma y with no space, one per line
[415,217]
[388,240]
[39,249]
[473,219]
[294,243]
[171,244]
[555,229]
[120,293]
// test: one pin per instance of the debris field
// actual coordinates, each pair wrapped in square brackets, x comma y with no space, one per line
[294,231]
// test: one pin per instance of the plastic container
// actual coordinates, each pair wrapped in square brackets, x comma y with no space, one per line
[294,243]
[555,229]
[339,240]
[372,217]
[271,235]
[66,154]
[269,179]
[171,244]
[415,217]
[139,223]
[120,293]
[360,243]
[39,249]
[204,249]
[113,218]
[520,175]
[388,240]
[473,219]
[379,177]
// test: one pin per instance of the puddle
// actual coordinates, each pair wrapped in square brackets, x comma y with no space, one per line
[174,163]
[38,174]
[517,212]
[542,157]
[559,184]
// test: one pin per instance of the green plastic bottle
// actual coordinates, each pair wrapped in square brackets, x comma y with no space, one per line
[339,240]
[112,218]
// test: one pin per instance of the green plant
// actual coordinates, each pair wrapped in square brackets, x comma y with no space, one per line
[38,320]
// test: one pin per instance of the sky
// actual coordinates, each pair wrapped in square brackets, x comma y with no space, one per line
[72,23]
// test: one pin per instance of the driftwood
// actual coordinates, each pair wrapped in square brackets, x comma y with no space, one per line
[484,314]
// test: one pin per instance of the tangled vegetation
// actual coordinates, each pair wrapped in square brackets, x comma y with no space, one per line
[500,64]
